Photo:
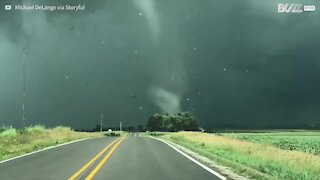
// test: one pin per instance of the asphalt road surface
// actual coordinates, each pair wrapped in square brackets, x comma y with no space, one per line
[114,158]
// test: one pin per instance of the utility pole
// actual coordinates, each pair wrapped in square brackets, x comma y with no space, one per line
[24,87]
[101,122]
[120,126]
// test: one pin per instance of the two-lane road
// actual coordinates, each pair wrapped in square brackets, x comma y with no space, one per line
[134,158]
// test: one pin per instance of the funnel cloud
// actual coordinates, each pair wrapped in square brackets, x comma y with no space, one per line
[167,101]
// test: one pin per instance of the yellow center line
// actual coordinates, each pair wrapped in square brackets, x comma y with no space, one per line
[74,176]
[97,168]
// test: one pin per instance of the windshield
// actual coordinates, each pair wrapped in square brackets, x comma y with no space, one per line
[159,65]
[233,64]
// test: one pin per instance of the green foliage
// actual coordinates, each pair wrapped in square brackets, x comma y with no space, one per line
[36,129]
[2,128]
[10,132]
[309,143]
[172,122]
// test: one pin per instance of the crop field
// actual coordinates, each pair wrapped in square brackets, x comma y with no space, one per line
[304,141]
[258,155]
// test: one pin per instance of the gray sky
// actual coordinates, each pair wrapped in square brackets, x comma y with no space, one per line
[232,64]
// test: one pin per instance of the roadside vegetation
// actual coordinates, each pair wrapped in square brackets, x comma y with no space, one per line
[259,156]
[14,142]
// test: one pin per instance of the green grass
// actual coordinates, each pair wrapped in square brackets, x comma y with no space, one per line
[37,129]
[256,160]
[14,142]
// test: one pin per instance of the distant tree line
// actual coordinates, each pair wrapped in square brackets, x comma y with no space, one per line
[172,122]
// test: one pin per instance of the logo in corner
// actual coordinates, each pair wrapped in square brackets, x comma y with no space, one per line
[7,7]
[290,8]
[295,8]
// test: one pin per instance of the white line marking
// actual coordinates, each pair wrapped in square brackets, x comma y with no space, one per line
[193,160]
[47,148]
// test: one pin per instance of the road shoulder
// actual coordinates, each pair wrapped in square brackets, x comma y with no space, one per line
[44,149]
[223,170]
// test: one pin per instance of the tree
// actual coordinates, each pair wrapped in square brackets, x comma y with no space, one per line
[172,122]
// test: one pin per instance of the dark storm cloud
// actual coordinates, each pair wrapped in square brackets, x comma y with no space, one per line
[237,64]
[263,72]
[10,25]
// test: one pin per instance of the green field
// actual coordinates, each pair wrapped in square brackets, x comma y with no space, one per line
[258,155]
[305,141]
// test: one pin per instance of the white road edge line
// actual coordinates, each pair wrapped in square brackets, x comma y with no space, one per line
[47,148]
[192,159]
